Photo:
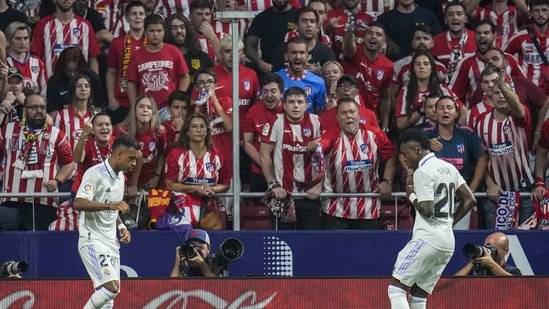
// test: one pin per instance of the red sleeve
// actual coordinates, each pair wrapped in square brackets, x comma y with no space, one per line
[224,172]
[37,44]
[329,137]
[163,139]
[513,45]
[399,103]
[171,167]
[227,104]
[268,131]
[115,53]
[132,74]
[460,81]
[368,115]
[295,3]
[514,66]
[249,125]
[170,131]
[64,150]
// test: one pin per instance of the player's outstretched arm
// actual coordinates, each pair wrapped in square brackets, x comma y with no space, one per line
[468,201]
[83,204]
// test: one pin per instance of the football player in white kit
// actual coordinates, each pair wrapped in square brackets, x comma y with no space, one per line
[99,199]
[420,263]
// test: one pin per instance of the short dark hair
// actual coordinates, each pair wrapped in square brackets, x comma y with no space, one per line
[304,10]
[423,28]
[446,97]
[272,78]
[154,19]
[486,21]
[179,96]
[346,100]
[454,3]
[294,40]
[489,70]
[294,91]
[101,114]
[415,135]
[208,71]
[133,4]
[537,2]
[125,141]
[201,4]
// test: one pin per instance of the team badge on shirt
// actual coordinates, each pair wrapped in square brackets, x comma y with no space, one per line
[308,90]
[364,148]
[210,167]
[266,129]
[247,85]
[460,147]
[76,32]
[307,132]
[34,68]
[379,74]
[88,188]
[152,145]
[195,64]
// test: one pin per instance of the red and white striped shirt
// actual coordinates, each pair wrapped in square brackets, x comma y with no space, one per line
[449,50]
[166,8]
[34,72]
[91,158]
[68,121]
[376,7]
[51,36]
[401,75]
[507,144]
[352,165]
[476,110]
[53,150]
[292,162]
[506,22]
[337,33]
[182,166]
[225,28]
[111,11]
[523,48]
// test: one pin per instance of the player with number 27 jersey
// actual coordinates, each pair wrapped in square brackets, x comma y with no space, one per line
[436,180]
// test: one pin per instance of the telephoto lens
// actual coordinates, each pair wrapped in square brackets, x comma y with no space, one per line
[187,251]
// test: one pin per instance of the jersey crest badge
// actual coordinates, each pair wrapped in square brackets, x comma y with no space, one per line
[307,132]
[210,167]
[379,74]
[460,147]
[195,64]
[247,85]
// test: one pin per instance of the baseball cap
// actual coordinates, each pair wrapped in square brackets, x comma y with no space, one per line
[13,71]
[198,234]
[347,78]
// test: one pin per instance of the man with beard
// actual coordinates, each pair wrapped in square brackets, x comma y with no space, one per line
[353,155]
[528,93]
[348,16]
[522,43]
[157,69]
[296,75]
[38,158]
[506,17]
[457,42]
[121,51]
[180,33]
[466,78]
[61,29]
[401,21]
[201,20]
[373,70]
[258,115]
[269,28]
[307,28]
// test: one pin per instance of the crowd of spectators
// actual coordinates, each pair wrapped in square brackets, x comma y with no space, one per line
[325,88]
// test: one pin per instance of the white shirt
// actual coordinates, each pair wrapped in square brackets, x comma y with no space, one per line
[100,184]
[436,180]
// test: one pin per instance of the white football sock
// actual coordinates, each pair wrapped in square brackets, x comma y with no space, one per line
[418,302]
[98,299]
[398,297]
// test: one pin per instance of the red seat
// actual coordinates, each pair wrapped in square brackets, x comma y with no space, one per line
[405,221]
[255,217]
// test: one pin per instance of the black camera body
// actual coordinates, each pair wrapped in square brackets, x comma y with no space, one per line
[473,251]
[12,268]
[187,251]
[231,249]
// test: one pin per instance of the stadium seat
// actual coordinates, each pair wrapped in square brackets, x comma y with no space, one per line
[403,212]
[255,217]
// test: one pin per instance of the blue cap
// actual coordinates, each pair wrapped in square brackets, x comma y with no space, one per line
[198,234]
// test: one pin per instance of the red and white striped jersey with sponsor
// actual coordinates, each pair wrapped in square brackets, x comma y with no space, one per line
[34,72]
[166,8]
[352,165]
[372,75]
[54,151]
[256,117]
[183,167]
[400,109]
[401,75]
[248,87]
[523,48]
[68,121]
[110,10]
[337,34]
[225,28]
[467,78]
[506,22]
[153,145]
[450,50]
[292,162]
[507,144]
[376,7]
[476,110]
[51,36]
[322,37]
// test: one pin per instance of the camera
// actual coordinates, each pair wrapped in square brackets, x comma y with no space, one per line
[12,268]
[473,251]
[231,249]
[187,251]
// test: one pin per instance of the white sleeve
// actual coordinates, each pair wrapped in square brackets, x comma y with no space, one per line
[424,185]
[89,185]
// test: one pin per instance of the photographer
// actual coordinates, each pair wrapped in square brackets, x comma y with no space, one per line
[193,265]
[491,264]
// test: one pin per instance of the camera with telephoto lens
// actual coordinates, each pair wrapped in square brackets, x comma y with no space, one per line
[473,251]
[12,268]
[231,249]
[187,251]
